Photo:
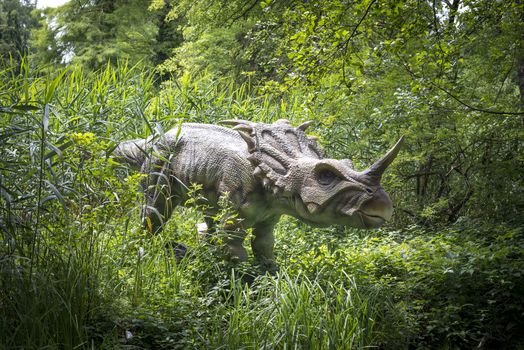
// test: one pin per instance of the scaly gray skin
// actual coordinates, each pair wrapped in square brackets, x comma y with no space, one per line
[267,169]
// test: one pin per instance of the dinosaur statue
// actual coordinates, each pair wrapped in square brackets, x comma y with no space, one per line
[267,170]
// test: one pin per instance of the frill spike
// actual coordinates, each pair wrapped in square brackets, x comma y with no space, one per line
[245,128]
[251,144]
[305,125]
[235,122]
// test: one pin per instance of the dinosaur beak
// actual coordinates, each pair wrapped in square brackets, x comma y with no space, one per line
[376,170]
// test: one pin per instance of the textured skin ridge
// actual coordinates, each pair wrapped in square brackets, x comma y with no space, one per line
[267,170]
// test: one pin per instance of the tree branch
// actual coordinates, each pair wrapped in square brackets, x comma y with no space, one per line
[467,105]
[345,44]
[474,108]
[249,8]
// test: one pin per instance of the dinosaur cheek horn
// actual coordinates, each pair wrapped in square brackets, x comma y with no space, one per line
[376,170]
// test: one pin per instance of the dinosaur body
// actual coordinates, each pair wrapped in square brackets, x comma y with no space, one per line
[268,170]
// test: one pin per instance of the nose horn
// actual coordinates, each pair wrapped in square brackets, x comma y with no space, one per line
[376,170]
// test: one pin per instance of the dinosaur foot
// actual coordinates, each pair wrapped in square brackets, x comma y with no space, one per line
[178,250]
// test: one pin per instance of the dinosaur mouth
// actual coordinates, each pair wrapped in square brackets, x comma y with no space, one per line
[371,220]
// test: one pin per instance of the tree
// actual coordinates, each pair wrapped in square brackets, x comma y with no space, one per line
[168,35]
[16,22]
[93,33]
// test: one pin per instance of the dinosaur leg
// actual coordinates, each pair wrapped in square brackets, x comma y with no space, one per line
[235,236]
[211,226]
[262,245]
[160,202]
[161,199]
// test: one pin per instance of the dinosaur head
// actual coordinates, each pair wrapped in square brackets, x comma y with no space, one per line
[317,190]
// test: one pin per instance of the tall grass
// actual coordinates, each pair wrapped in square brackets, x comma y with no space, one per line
[58,198]
[294,312]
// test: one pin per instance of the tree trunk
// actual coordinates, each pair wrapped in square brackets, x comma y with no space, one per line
[520,54]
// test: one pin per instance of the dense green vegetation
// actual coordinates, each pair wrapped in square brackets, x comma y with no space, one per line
[78,271]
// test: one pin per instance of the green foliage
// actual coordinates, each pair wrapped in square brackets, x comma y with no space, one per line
[460,287]
[218,53]
[76,269]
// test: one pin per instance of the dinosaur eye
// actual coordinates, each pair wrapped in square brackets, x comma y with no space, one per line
[325,177]
[369,190]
